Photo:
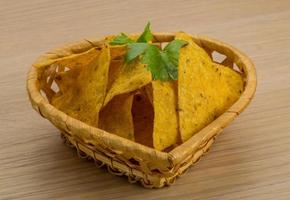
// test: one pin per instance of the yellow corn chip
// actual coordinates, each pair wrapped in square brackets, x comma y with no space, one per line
[77,60]
[205,89]
[70,61]
[117,52]
[74,63]
[130,78]
[116,116]
[165,131]
[83,97]
[232,85]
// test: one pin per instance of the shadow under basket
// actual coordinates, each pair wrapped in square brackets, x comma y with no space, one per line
[152,168]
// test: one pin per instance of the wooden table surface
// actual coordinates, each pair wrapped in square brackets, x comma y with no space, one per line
[250,160]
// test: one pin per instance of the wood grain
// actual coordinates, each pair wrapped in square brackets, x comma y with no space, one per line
[250,160]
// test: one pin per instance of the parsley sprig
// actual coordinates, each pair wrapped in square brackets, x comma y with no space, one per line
[162,63]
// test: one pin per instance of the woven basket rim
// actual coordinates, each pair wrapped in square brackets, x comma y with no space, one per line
[178,153]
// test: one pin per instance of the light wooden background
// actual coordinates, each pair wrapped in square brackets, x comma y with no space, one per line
[250,160]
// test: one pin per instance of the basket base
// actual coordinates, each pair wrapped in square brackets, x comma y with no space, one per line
[115,167]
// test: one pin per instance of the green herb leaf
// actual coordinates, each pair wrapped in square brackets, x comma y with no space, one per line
[163,64]
[172,50]
[134,50]
[171,69]
[121,40]
[170,56]
[152,58]
[146,36]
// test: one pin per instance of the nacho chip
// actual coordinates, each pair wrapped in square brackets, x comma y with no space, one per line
[77,60]
[205,89]
[143,114]
[118,51]
[82,96]
[130,78]
[70,61]
[232,86]
[70,68]
[116,117]
[165,131]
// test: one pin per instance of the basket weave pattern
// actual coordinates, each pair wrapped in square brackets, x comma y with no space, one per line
[152,168]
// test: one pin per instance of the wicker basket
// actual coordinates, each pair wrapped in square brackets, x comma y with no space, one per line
[154,169]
